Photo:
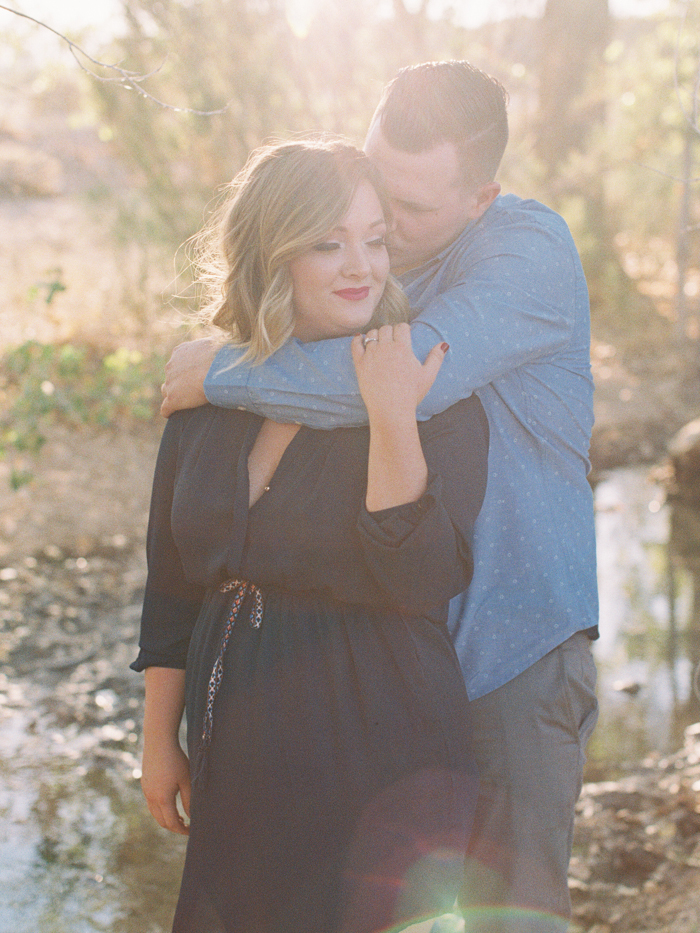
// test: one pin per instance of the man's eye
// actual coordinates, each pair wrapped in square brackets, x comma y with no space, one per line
[326,247]
[416,209]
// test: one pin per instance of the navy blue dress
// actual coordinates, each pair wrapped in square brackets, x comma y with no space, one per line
[334,786]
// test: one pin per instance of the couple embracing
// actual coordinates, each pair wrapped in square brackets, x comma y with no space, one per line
[371,556]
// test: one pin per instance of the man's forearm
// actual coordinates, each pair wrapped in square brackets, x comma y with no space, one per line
[315,383]
[311,383]
[492,328]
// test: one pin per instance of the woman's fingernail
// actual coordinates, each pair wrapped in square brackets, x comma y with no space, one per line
[444,347]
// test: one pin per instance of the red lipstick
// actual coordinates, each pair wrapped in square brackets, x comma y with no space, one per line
[353,294]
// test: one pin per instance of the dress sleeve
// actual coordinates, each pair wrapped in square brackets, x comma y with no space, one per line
[171,603]
[420,554]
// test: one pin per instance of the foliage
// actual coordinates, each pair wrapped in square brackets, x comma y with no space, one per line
[45,384]
[598,110]
[605,147]
[274,71]
[646,125]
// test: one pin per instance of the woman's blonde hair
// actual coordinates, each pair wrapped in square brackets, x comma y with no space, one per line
[284,201]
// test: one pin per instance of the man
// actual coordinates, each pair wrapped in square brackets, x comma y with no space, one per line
[498,279]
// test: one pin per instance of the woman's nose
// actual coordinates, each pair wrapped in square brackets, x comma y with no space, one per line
[356,261]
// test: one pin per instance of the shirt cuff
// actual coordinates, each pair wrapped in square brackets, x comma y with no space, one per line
[392,527]
[175,658]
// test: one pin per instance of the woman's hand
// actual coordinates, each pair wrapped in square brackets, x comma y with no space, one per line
[165,774]
[392,380]
[392,383]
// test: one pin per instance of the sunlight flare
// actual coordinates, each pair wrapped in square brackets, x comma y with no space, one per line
[300,15]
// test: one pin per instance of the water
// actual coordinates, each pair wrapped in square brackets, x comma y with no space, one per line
[79,852]
[648,650]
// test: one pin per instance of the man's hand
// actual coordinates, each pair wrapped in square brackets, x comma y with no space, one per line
[185,372]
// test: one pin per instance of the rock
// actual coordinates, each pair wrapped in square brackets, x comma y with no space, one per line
[684,453]
[631,687]
[636,865]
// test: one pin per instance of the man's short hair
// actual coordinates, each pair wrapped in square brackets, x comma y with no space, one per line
[453,101]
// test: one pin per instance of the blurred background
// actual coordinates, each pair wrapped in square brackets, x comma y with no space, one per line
[112,153]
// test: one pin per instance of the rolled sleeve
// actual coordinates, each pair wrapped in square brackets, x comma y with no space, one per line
[415,553]
[420,553]
[166,627]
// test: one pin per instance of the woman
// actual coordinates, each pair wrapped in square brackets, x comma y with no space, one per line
[298,585]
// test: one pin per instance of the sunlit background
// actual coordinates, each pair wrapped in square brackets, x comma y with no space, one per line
[100,189]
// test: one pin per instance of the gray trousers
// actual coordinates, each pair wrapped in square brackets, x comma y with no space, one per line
[530,737]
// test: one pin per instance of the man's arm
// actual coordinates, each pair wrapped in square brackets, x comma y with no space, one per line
[312,383]
[522,302]
[515,305]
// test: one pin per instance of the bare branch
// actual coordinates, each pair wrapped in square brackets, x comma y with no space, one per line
[657,171]
[692,117]
[128,79]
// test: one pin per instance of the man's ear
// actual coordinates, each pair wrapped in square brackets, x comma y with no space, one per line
[484,198]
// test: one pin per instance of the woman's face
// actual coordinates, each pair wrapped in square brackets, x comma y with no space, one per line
[338,283]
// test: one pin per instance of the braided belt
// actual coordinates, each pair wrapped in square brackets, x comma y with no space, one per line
[239,588]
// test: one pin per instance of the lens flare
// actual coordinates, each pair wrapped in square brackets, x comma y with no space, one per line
[300,15]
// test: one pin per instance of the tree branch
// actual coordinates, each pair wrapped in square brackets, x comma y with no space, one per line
[128,79]
[657,171]
[692,117]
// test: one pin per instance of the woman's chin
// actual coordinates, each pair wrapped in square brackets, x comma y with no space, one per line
[357,326]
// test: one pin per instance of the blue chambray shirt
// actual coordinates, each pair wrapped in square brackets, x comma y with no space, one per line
[510,298]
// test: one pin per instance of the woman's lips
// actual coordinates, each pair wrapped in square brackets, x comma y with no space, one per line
[353,294]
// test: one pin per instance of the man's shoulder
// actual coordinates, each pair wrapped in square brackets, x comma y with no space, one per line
[511,210]
[515,237]
[515,226]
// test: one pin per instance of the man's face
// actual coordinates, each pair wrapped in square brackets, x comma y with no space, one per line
[430,204]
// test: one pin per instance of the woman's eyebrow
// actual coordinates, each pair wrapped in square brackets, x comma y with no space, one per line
[377,223]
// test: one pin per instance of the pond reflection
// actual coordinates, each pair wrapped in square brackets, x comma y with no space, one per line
[79,853]
[647,653]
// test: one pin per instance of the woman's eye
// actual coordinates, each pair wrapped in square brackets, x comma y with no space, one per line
[326,247]
[380,241]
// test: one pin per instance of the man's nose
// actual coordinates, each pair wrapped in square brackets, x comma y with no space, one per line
[396,221]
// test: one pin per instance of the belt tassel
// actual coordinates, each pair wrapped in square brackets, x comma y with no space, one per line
[239,588]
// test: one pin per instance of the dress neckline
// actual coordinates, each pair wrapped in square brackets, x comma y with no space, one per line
[254,427]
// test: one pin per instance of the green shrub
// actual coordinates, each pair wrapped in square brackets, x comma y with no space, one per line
[45,384]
